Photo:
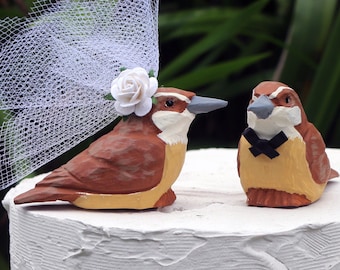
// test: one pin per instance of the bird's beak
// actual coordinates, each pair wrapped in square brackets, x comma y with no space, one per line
[262,107]
[204,104]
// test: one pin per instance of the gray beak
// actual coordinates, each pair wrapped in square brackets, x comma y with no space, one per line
[262,107]
[204,104]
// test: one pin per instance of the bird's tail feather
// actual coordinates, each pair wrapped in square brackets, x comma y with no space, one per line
[46,194]
[333,174]
[55,186]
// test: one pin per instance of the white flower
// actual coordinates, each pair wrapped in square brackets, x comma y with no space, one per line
[133,91]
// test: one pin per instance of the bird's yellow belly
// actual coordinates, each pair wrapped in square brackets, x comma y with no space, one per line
[288,172]
[174,159]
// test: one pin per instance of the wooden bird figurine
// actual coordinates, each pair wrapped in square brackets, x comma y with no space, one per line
[134,165]
[281,156]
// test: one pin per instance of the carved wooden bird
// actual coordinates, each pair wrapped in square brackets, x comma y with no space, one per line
[281,157]
[134,165]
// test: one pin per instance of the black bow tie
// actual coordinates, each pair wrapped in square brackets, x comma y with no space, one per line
[261,146]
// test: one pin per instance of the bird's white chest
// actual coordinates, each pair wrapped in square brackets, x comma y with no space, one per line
[281,119]
[174,126]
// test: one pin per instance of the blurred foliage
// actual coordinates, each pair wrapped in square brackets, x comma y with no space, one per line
[311,63]
[14,8]
[224,48]
[223,45]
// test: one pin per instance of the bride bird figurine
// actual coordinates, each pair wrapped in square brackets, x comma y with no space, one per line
[58,68]
[135,164]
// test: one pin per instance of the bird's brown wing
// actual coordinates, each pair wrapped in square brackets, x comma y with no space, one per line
[316,156]
[111,165]
[114,164]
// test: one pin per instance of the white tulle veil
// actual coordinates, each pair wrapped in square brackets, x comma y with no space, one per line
[57,65]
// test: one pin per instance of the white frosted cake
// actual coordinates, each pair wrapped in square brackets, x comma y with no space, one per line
[209,226]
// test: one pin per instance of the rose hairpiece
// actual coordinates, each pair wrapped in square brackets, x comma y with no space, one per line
[133,91]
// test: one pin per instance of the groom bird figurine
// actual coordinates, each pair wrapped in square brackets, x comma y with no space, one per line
[281,159]
[134,165]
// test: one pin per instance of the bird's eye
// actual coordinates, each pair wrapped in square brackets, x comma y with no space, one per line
[169,103]
[287,99]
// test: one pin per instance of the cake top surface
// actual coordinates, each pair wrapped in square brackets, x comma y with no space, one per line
[210,200]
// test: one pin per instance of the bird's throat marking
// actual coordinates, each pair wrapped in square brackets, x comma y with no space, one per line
[262,146]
